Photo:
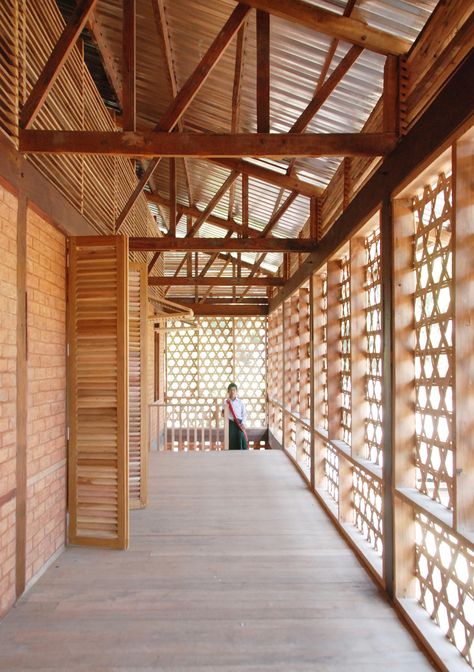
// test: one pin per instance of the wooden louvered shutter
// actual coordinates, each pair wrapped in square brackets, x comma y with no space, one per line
[98,391]
[137,368]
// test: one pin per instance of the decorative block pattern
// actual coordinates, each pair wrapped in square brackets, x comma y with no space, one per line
[434,353]
[445,583]
[331,471]
[368,508]
[373,321]
[345,336]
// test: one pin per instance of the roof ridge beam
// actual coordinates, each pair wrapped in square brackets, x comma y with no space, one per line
[334,25]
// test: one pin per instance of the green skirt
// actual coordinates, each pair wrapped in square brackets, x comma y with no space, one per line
[236,437]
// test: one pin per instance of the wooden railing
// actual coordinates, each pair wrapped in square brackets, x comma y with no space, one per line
[185,425]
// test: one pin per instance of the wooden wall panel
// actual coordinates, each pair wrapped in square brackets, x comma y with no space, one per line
[98,392]
[138,385]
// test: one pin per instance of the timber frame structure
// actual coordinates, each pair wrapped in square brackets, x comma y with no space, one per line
[295,180]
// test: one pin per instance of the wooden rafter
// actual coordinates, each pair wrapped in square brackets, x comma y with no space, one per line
[162,281]
[226,244]
[259,172]
[263,72]
[236,91]
[212,204]
[129,40]
[275,218]
[186,95]
[323,93]
[56,61]
[206,145]
[228,224]
[329,23]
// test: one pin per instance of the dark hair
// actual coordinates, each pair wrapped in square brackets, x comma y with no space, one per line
[230,386]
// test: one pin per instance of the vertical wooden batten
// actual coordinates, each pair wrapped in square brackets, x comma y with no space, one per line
[402,393]
[98,391]
[21,397]
[463,201]
[388,390]
[138,385]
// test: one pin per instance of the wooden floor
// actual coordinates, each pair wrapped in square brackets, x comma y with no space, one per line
[233,566]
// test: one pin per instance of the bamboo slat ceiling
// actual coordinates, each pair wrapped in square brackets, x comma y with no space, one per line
[298,58]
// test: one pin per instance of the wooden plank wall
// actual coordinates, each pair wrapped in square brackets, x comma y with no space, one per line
[98,391]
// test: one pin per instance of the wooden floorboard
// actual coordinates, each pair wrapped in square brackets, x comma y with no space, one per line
[233,567]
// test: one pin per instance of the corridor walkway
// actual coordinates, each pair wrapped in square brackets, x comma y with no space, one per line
[232,567]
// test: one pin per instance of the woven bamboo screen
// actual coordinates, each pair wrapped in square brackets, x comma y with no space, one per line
[200,364]
[343,451]
[98,391]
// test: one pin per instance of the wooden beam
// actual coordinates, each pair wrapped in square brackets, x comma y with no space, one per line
[257,300]
[165,43]
[227,310]
[192,211]
[56,61]
[263,72]
[429,134]
[236,90]
[162,281]
[276,145]
[281,180]
[279,214]
[186,95]
[391,115]
[212,204]
[329,23]
[129,41]
[196,244]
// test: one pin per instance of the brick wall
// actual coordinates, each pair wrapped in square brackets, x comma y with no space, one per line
[46,440]
[8,353]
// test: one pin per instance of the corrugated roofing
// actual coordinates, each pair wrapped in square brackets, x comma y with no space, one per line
[297,57]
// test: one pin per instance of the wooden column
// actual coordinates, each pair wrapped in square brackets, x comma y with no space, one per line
[263,72]
[388,312]
[311,380]
[317,395]
[173,198]
[463,199]
[21,396]
[358,345]
[129,65]
[402,392]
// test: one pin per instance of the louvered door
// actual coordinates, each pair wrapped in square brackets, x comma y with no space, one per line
[98,391]
[137,367]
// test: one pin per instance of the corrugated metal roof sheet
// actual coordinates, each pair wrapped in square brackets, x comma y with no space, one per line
[297,58]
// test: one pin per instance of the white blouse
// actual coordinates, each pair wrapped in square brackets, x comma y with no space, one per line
[239,409]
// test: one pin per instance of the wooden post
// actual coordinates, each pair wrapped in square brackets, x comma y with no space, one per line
[129,37]
[311,379]
[463,199]
[263,72]
[21,396]
[388,389]
[402,389]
